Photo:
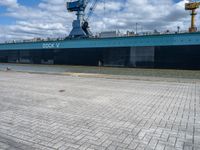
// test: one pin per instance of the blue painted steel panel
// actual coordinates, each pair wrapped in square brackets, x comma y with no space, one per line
[152,40]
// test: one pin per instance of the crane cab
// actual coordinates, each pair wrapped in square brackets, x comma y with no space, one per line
[75,6]
[191,6]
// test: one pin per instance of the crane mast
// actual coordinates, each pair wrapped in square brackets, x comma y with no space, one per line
[80,25]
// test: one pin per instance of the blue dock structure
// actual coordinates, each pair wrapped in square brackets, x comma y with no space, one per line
[180,51]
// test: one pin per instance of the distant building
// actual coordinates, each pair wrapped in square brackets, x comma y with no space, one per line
[130,33]
[37,39]
[109,34]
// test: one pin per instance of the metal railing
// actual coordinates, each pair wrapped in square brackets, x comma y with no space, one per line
[95,37]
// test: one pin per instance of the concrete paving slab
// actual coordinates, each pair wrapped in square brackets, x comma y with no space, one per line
[41,111]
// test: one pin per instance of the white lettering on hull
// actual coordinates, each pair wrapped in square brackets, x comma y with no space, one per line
[51,45]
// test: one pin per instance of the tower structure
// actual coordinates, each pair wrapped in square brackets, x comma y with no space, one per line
[192,6]
[80,25]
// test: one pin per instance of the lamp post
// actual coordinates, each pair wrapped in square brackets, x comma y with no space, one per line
[136,28]
[178,29]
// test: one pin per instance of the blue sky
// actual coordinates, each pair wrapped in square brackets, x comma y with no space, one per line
[26,19]
[6,20]
[29,2]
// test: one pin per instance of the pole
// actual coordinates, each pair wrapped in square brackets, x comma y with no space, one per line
[193,18]
[99,64]
[136,28]
[193,28]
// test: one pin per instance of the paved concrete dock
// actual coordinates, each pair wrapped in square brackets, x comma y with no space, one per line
[40,111]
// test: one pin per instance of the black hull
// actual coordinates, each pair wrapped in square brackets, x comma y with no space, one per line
[173,57]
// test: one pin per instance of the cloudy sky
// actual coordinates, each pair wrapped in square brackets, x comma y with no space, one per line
[26,19]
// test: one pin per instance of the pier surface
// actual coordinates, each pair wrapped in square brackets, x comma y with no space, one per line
[48,111]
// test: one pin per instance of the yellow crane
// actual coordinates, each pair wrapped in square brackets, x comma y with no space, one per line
[192,6]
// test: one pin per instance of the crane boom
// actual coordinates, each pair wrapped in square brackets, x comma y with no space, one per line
[91,10]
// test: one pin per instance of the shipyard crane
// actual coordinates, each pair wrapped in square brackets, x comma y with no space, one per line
[192,6]
[80,25]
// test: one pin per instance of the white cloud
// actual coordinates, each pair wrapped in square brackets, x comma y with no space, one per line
[150,14]
[9,3]
[51,19]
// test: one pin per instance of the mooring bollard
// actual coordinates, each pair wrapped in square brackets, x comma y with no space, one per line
[8,69]
[99,64]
